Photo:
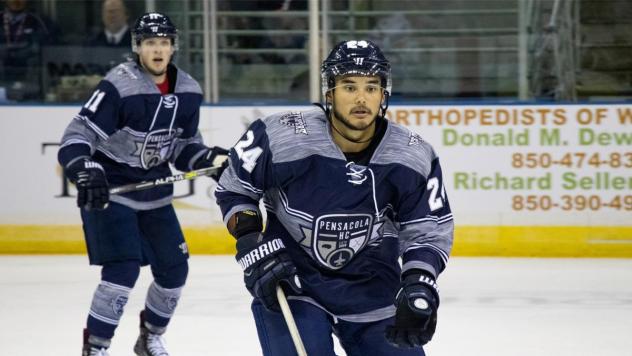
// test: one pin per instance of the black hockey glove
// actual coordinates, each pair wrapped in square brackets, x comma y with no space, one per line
[416,317]
[215,156]
[266,263]
[92,186]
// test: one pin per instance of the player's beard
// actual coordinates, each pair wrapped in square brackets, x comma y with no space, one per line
[360,126]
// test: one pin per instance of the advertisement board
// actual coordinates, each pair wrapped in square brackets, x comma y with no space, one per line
[521,179]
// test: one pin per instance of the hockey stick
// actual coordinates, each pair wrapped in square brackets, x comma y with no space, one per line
[289,320]
[164,180]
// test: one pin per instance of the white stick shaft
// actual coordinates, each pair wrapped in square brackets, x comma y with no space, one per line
[289,320]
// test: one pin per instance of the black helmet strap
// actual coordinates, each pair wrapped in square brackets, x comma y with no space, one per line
[384,103]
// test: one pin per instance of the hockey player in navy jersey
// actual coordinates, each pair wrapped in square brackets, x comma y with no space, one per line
[142,116]
[347,193]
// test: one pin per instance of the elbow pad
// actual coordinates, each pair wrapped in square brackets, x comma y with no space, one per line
[245,222]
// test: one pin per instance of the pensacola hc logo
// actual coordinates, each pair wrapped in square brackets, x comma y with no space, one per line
[338,237]
[155,149]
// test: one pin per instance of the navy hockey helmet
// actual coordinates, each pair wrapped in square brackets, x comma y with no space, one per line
[153,24]
[355,58]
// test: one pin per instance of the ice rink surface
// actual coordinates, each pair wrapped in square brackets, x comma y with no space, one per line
[489,306]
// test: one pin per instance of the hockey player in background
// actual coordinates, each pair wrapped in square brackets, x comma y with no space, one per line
[347,193]
[142,116]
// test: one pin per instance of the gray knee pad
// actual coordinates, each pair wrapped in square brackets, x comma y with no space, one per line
[162,301]
[108,302]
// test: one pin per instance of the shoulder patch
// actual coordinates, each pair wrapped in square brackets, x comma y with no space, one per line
[415,139]
[295,119]
[124,71]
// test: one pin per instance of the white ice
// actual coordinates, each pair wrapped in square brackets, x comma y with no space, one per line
[489,306]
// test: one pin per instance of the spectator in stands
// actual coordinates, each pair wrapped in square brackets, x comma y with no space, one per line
[262,24]
[293,41]
[22,34]
[115,32]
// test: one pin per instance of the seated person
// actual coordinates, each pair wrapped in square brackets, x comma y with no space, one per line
[22,34]
[115,32]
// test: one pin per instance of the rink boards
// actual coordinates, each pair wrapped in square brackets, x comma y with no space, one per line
[523,180]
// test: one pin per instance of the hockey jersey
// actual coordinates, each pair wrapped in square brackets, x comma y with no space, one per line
[134,131]
[345,225]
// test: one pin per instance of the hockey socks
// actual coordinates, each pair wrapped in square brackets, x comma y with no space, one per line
[110,297]
[106,310]
[160,306]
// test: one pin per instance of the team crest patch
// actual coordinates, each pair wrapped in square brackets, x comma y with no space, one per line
[415,139]
[169,101]
[338,237]
[118,304]
[155,149]
[295,119]
[171,303]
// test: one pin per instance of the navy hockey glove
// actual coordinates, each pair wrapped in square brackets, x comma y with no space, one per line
[266,263]
[416,317]
[215,156]
[92,186]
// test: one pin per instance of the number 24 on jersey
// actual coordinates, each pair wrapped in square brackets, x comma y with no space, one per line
[248,156]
